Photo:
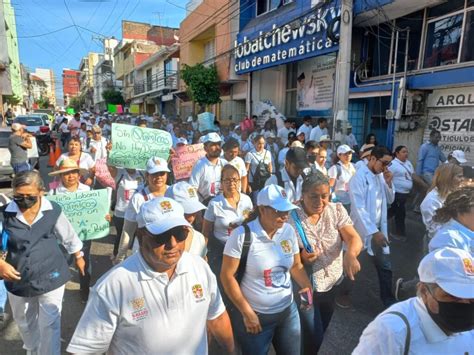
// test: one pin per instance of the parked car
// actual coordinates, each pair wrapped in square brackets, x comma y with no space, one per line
[6,171]
[39,126]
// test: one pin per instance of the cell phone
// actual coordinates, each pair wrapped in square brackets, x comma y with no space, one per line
[306,299]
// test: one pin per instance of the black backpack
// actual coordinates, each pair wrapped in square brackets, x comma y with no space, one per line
[261,174]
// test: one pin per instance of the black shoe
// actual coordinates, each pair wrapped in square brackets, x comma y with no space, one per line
[84,295]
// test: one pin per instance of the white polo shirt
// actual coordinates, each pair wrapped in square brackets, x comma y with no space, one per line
[293,192]
[206,177]
[135,310]
[137,200]
[306,130]
[267,282]
[317,133]
[402,175]
[127,185]
[386,334]
[283,134]
[221,213]
[61,189]
[238,162]
[341,187]
[254,158]
[454,235]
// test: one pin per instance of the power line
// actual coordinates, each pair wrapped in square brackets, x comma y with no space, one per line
[74,23]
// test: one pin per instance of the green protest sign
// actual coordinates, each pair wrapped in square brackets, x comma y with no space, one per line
[70,111]
[132,146]
[111,108]
[86,211]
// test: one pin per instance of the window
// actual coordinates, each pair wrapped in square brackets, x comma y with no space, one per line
[291,92]
[443,41]
[264,6]
[467,53]
[209,51]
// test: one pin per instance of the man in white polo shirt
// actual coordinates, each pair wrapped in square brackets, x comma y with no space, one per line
[439,320]
[206,174]
[161,300]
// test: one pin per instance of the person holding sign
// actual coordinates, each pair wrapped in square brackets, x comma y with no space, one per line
[84,160]
[156,176]
[31,263]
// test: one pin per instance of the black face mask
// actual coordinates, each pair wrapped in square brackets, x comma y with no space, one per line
[25,202]
[454,317]
[311,158]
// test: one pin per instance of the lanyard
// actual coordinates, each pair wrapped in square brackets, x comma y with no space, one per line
[5,236]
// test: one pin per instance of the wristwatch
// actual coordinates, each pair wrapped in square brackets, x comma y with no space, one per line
[81,255]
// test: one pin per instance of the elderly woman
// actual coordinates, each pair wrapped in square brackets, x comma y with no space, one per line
[322,227]
[84,160]
[33,267]
[265,254]
[225,212]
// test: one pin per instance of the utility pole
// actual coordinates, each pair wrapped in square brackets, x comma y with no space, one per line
[343,71]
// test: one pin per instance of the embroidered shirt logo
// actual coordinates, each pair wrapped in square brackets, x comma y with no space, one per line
[139,310]
[166,206]
[283,194]
[192,192]
[197,291]
[285,246]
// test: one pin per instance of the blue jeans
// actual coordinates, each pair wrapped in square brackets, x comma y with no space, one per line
[18,168]
[3,296]
[280,329]
[384,272]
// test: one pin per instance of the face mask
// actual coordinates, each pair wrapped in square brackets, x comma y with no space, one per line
[311,158]
[25,202]
[454,317]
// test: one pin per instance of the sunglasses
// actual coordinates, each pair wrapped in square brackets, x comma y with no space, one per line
[384,162]
[180,233]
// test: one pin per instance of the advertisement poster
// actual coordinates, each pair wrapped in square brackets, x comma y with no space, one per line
[315,84]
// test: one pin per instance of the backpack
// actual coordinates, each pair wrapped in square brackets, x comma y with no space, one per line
[261,174]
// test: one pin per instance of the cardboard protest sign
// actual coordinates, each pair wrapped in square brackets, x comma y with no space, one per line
[86,211]
[102,173]
[70,111]
[33,151]
[119,108]
[132,146]
[111,108]
[206,121]
[134,109]
[184,159]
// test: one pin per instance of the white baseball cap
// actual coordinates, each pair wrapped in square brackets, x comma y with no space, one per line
[190,119]
[451,269]
[211,137]
[275,196]
[301,130]
[156,164]
[186,195]
[343,149]
[459,156]
[160,215]
[269,134]
[325,138]
[182,141]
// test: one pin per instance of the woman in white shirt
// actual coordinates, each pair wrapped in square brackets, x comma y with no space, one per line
[84,160]
[225,212]
[447,178]
[254,158]
[340,174]
[262,290]
[65,132]
[402,171]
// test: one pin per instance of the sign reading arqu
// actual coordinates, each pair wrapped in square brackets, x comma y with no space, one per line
[287,43]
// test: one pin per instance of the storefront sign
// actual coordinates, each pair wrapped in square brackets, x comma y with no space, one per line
[308,36]
[457,129]
[315,83]
[452,97]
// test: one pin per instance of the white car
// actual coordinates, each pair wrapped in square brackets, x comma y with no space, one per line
[6,171]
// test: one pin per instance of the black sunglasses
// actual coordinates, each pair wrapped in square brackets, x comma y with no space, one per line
[180,233]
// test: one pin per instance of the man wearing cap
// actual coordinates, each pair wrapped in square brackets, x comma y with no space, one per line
[282,133]
[456,157]
[351,140]
[18,143]
[161,300]
[364,155]
[305,128]
[292,173]
[320,130]
[206,173]
[340,174]
[231,155]
[440,320]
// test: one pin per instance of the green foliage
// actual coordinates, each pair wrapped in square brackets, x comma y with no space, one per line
[77,103]
[113,97]
[12,100]
[43,102]
[202,83]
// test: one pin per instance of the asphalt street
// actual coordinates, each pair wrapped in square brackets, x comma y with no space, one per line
[344,330]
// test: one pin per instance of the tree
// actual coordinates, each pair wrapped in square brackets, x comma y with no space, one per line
[11,100]
[112,96]
[202,83]
[43,102]
[77,103]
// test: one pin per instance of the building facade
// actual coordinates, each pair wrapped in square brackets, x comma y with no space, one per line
[87,79]
[104,74]
[38,89]
[71,84]
[47,75]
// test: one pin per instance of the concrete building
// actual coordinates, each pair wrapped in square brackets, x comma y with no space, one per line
[139,42]
[26,85]
[47,75]
[104,74]
[71,84]
[207,35]
[10,72]
[38,88]
[87,79]
[156,79]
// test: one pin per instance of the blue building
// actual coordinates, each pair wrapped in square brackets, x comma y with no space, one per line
[412,65]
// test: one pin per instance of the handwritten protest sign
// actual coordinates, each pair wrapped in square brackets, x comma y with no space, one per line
[70,111]
[111,108]
[119,108]
[33,151]
[134,109]
[206,121]
[86,211]
[102,173]
[185,158]
[132,146]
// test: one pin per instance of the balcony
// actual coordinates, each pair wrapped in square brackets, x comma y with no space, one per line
[159,82]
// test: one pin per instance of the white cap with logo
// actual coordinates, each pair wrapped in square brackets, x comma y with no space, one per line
[156,165]
[451,269]
[343,149]
[275,196]
[459,156]
[186,195]
[160,215]
[211,137]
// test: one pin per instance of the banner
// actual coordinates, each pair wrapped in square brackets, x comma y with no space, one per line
[132,146]
[184,159]
[315,84]
[86,211]
[134,109]
[111,108]
[70,111]
[206,121]
[119,108]
[102,173]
